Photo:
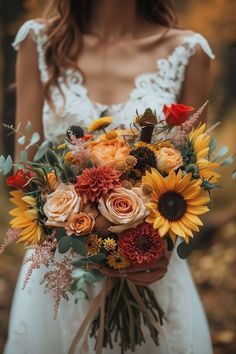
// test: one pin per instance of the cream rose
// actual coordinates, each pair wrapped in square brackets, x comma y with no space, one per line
[60,204]
[168,159]
[124,208]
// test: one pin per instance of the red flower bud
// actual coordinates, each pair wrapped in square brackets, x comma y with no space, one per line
[176,114]
[19,179]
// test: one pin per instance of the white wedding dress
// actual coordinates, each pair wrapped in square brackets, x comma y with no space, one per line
[32,328]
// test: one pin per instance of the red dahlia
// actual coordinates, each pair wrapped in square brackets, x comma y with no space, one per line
[142,245]
[96,181]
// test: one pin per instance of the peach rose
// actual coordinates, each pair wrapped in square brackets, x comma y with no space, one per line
[168,159]
[109,152]
[123,207]
[79,224]
[60,204]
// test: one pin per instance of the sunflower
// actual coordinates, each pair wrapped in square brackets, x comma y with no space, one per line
[175,203]
[100,124]
[25,218]
[200,144]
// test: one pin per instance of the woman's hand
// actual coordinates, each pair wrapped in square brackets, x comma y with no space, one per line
[142,276]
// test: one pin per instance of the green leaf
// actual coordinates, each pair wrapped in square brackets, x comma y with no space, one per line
[234,174]
[41,151]
[21,140]
[60,232]
[64,244]
[28,126]
[97,258]
[97,275]
[228,161]
[223,150]
[2,161]
[23,156]
[170,244]
[52,157]
[78,274]
[212,145]
[79,247]
[80,262]
[34,139]
[7,165]
[184,249]
[81,295]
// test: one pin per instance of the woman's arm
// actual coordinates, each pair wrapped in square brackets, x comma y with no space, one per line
[29,91]
[197,83]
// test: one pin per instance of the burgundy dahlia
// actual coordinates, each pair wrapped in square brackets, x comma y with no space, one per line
[96,181]
[142,245]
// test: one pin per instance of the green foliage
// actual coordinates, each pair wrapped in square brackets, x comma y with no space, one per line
[184,249]
[6,165]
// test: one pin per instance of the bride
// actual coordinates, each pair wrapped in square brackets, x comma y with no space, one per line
[83,58]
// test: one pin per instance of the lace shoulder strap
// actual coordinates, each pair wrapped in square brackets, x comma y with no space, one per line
[195,39]
[39,36]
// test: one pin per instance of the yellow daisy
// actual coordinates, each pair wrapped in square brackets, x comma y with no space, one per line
[116,261]
[175,203]
[25,218]
[100,124]
[200,142]
[109,244]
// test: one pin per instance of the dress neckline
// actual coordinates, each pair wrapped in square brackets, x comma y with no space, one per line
[137,79]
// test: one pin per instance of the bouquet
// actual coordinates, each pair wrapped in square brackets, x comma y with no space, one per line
[113,199]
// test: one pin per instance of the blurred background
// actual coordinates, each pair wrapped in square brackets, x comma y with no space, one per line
[214,260]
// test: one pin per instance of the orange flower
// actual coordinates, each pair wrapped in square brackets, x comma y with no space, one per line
[79,224]
[96,181]
[168,159]
[52,180]
[109,152]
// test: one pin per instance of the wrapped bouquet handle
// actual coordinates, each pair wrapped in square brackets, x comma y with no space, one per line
[127,297]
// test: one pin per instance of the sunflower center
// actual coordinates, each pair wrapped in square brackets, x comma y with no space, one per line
[172,205]
[143,243]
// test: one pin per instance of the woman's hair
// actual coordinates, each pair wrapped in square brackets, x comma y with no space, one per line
[68,20]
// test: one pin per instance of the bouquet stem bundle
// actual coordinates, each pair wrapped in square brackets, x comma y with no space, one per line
[117,314]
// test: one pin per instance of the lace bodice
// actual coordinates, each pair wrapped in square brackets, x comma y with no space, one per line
[150,89]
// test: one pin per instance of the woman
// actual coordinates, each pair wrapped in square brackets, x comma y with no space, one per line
[86,57]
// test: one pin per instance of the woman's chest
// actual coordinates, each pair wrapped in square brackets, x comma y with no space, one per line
[110,70]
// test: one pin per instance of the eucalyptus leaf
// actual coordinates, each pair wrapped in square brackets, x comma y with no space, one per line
[97,275]
[97,258]
[223,150]
[212,145]
[81,295]
[184,249]
[34,139]
[78,273]
[41,151]
[80,283]
[2,161]
[227,161]
[80,262]
[79,247]
[7,165]
[234,175]
[64,244]
[60,232]
[21,140]
[23,156]
[28,126]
